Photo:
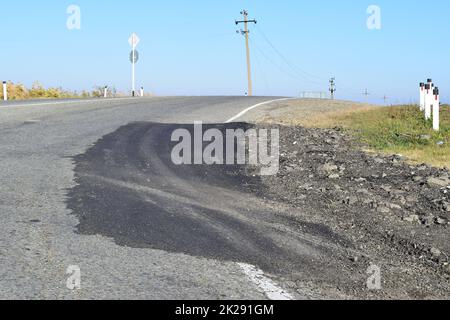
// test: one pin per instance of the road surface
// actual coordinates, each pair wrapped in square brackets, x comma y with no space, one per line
[91,200]
[142,233]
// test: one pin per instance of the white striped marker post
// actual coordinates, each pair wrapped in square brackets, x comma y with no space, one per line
[5,91]
[436,109]
[428,101]
[422,96]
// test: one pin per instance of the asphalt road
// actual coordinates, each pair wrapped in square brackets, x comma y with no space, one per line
[90,184]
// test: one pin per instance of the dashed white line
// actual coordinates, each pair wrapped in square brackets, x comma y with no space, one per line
[271,290]
[254,107]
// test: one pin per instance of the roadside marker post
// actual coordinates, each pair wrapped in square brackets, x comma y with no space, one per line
[430,103]
[105,92]
[422,96]
[142,92]
[436,109]
[428,100]
[5,91]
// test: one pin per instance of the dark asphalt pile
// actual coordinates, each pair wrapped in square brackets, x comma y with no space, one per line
[128,189]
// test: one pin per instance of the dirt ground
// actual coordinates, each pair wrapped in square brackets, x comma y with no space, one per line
[394,214]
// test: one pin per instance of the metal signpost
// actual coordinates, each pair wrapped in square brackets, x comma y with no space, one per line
[134,57]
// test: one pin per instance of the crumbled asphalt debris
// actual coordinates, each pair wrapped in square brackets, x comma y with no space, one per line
[390,209]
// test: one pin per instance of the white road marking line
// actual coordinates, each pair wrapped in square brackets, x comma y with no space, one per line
[254,107]
[63,102]
[272,291]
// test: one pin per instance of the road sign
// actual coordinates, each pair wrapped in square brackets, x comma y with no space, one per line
[134,56]
[134,40]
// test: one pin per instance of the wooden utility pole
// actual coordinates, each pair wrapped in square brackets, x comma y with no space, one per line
[247,45]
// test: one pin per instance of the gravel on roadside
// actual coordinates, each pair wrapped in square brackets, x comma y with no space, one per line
[396,214]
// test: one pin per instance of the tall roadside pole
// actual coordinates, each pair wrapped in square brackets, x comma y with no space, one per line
[247,45]
[134,56]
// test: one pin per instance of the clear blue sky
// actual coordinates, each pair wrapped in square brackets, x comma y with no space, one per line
[191,47]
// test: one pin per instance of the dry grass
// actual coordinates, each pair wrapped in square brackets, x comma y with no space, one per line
[17,91]
[329,119]
[398,129]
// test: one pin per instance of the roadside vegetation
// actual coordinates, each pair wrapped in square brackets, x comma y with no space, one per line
[38,91]
[398,129]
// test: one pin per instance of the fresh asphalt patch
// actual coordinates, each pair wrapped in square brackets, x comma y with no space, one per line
[129,189]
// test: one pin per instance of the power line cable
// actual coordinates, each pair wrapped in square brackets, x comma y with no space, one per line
[259,65]
[292,66]
[297,69]
[282,69]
